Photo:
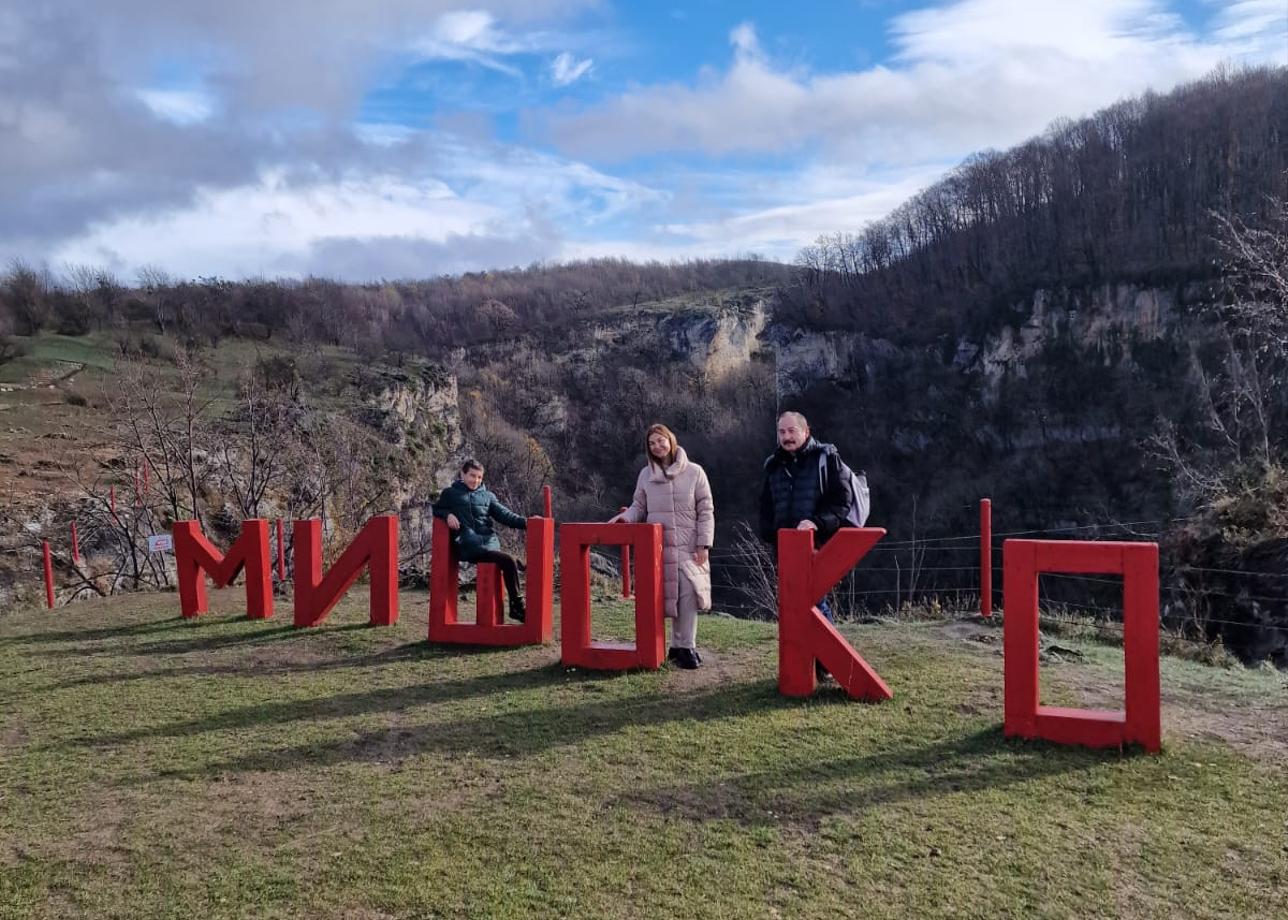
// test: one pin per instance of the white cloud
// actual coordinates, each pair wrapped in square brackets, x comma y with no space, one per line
[178,106]
[973,31]
[566,69]
[469,35]
[475,36]
[1258,28]
[484,206]
[971,74]
[821,201]
[268,228]
[383,134]
[743,38]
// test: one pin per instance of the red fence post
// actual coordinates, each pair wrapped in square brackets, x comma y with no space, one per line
[985,557]
[626,566]
[75,545]
[49,575]
[547,501]
[281,551]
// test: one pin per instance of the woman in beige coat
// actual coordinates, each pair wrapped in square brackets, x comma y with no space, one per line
[674,492]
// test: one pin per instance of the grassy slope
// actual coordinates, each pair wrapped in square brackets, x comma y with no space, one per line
[226,768]
[40,430]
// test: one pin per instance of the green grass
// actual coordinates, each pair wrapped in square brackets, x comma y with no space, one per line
[47,348]
[151,767]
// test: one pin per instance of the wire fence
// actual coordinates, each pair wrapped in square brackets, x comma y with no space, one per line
[942,570]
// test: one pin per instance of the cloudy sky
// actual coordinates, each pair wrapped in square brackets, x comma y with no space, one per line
[406,138]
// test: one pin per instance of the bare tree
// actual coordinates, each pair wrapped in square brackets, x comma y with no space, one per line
[254,448]
[166,430]
[25,292]
[1243,397]
[756,572]
[155,284]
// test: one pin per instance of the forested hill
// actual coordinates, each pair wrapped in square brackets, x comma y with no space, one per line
[1126,195]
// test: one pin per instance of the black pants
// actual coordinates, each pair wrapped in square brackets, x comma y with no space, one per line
[509,569]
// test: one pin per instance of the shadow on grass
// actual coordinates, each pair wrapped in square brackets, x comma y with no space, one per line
[346,705]
[514,733]
[973,762]
[92,635]
[207,642]
[419,650]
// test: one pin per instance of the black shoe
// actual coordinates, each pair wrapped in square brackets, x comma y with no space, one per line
[685,658]
[821,673]
[517,613]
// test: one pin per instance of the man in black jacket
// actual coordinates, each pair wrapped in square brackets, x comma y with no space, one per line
[797,493]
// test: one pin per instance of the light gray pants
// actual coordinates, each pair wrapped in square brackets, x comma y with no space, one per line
[684,627]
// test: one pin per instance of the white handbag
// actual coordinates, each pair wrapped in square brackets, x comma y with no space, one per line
[699,577]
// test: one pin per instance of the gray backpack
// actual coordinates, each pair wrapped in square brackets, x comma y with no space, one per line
[856,515]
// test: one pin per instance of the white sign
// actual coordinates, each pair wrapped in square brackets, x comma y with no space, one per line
[160,543]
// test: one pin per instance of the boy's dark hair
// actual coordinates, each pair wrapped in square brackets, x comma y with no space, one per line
[471,464]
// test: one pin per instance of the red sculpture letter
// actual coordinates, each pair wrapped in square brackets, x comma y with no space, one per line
[489,626]
[375,546]
[1023,560]
[804,635]
[194,555]
[575,541]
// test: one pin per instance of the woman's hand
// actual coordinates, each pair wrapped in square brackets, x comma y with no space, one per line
[702,555]
[453,523]
[615,519]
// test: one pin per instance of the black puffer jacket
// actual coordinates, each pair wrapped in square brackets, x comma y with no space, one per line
[791,491]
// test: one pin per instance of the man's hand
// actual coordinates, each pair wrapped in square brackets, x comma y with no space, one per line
[615,519]
[807,525]
[701,556]
[453,523]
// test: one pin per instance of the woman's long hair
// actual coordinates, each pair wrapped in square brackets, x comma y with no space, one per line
[666,433]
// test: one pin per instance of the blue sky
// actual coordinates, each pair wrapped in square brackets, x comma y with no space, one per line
[417,137]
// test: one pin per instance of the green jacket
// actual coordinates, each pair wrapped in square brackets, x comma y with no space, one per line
[475,510]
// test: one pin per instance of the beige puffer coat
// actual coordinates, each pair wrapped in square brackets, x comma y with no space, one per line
[678,498]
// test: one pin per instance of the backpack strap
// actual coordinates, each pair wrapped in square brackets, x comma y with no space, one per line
[829,450]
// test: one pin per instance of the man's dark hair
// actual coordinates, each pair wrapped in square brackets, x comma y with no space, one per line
[471,464]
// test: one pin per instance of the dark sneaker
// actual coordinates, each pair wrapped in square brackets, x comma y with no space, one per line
[517,613]
[821,673]
[685,658]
